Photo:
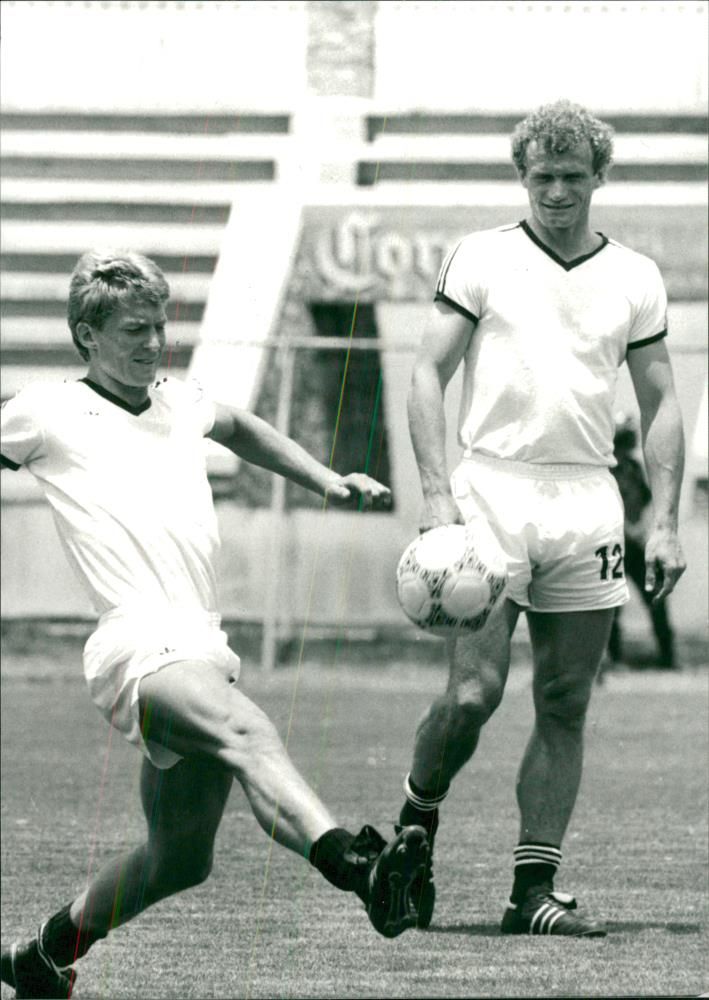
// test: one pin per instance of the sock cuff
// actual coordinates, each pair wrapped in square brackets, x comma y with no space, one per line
[60,942]
[423,800]
[336,839]
[537,854]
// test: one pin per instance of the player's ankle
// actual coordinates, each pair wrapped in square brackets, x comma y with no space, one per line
[535,864]
[344,859]
[421,806]
[63,942]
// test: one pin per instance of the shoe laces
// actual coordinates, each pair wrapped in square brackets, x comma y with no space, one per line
[366,847]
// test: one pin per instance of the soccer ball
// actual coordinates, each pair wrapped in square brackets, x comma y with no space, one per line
[450,578]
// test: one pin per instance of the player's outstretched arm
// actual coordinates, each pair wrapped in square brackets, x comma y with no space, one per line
[256,441]
[663,448]
[443,345]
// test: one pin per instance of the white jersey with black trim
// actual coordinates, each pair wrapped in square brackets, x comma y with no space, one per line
[127,486]
[550,335]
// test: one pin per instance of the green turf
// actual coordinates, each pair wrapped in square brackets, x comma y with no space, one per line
[267,925]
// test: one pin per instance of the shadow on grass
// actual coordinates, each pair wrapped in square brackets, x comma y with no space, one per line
[474,930]
[614,927]
[633,926]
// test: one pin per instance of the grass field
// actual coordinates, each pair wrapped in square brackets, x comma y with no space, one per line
[266,925]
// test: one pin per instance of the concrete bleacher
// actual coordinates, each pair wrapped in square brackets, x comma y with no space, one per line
[174,185]
[456,147]
[164,184]
[159,183]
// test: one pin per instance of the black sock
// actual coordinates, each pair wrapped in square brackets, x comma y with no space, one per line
[62,941]
[411,816]
[421,807]
[535,864]
[332,857]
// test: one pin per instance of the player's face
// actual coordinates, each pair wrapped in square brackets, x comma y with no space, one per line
[129,345]
[560,186]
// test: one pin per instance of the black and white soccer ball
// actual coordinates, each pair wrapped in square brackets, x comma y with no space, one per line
[450,578]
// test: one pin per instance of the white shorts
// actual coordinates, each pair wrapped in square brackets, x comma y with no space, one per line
[560,527]
[128,646]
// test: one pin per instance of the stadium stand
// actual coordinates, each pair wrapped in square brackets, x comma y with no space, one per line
[163,184]
[474,147]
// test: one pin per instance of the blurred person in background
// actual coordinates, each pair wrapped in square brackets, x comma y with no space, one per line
[541,314]
[637,498]
[120,457]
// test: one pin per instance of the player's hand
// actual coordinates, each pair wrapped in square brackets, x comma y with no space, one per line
[439,510]
[664,563]
[358,490]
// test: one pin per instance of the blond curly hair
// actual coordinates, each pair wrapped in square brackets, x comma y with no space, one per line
[559,127]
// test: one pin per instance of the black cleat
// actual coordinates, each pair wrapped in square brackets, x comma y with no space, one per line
[423,890]
[391,906]
[545,911]
[362,853]
[33,976]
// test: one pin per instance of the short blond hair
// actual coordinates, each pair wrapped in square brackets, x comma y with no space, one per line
[102,279]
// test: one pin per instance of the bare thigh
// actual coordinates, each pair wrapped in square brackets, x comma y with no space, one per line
[567,648]
[192,708]
[479,661]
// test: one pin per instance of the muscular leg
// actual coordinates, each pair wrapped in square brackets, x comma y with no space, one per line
[567,649]
[193,709]
[448,734]
[183,807]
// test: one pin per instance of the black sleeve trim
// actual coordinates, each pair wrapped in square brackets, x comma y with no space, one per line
[446,268]
[647,340]
[7,463]
[440,297]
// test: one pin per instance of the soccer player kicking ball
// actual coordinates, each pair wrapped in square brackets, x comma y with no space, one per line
[542,313]
[120,458]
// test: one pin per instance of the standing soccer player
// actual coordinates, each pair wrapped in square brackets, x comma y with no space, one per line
[542,313]
[120,458]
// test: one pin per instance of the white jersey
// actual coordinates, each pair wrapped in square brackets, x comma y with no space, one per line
[541,369]
[127,485]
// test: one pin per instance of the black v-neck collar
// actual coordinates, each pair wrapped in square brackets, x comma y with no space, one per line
[113,398]
[568,265]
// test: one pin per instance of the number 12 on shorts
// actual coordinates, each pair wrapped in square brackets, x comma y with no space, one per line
[616,569]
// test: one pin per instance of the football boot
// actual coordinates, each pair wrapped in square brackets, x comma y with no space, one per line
[33,974]
[388,895]
[544,911]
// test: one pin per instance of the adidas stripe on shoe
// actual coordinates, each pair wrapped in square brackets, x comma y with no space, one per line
[545,911]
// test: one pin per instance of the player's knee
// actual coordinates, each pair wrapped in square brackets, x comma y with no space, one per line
[197,869]
[476,700]
[177,867]
[564,699]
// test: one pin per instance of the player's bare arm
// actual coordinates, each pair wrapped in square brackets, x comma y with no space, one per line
[663,448]
[445,341]
[257,442]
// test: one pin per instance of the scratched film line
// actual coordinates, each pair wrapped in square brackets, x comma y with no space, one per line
[304,630]
[344,588]
[93,840]
[309,604]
